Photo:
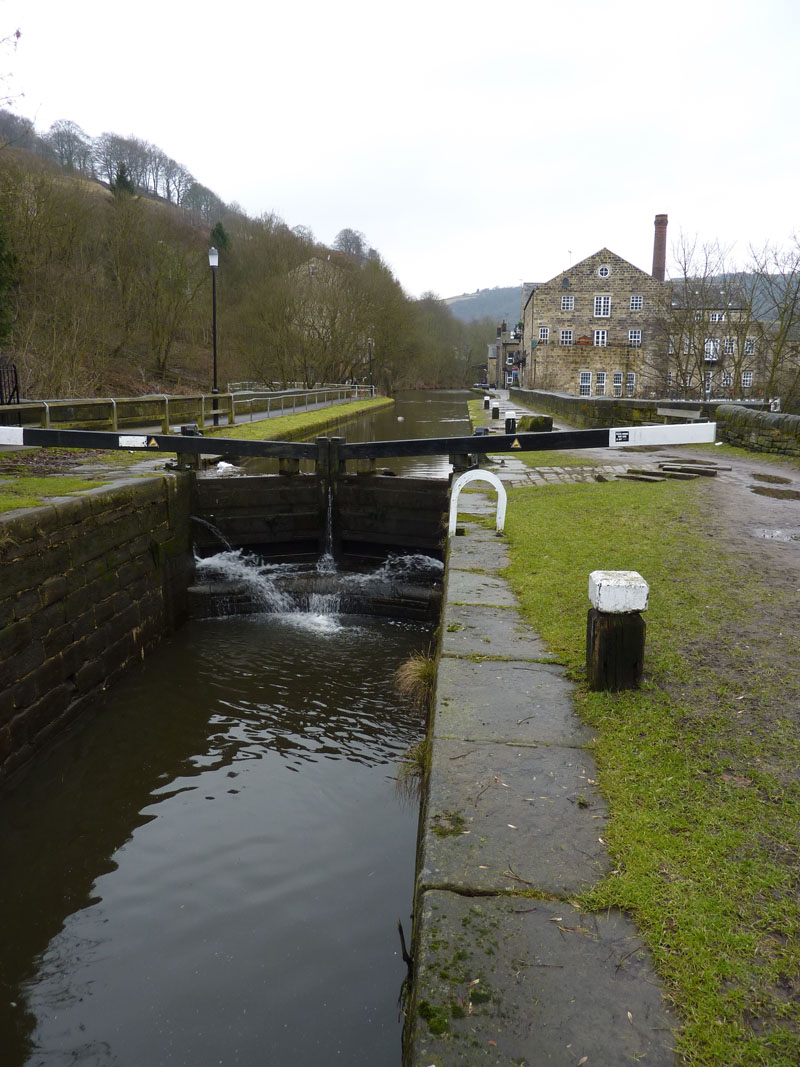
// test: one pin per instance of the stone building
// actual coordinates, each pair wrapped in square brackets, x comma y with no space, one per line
[596,329]
[505,358]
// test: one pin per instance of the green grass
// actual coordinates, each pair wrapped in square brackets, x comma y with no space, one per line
[304,423]
[29,492]
[699,766]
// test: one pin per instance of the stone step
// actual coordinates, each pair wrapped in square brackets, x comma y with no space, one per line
[688,468]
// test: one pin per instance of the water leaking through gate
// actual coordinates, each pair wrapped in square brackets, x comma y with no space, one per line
[211,870]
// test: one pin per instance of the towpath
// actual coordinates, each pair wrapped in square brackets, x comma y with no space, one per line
[508,969]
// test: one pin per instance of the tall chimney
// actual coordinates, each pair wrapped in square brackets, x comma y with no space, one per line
[660,248]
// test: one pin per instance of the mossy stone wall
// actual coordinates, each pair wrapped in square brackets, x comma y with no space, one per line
[759,431]
[87,585]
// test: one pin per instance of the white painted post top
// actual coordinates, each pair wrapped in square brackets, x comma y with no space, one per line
[618,592]
[511,414]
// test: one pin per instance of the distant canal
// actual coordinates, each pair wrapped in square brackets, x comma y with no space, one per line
[210,870]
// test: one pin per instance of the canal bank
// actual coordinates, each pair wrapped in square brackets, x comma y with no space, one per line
[507,968]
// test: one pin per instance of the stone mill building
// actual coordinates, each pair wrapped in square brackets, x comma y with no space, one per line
[597,328]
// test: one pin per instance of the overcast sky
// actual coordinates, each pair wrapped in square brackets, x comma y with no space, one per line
[474,144]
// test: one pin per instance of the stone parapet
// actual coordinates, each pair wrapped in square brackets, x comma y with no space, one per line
[87,584]
[759,431]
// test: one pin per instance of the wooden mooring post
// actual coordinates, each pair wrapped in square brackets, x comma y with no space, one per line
[615,630]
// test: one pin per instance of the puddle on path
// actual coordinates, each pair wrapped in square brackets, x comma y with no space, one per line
[777,494]
[788,534]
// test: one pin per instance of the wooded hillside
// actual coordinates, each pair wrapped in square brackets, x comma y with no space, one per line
[105,285]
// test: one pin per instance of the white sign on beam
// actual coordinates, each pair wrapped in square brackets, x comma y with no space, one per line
[689,433]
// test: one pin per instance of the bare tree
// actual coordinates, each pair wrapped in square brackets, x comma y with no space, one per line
[777,291]
[71,146]
[352,242]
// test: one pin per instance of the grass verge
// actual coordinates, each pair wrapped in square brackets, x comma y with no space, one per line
[31,492]
[303,424]
[699,766]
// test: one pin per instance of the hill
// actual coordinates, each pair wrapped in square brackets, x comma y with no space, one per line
[496,304]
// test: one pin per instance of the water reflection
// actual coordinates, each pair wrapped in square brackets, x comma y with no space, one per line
[172,895]
[415,414]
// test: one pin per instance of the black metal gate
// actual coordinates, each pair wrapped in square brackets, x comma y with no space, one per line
[9,382]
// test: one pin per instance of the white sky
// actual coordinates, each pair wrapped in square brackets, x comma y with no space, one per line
[474,144]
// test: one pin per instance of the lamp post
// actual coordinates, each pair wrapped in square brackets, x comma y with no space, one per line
[213,262]
[370,344]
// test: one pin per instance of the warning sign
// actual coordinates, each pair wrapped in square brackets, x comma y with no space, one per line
[152,443]
[515,444]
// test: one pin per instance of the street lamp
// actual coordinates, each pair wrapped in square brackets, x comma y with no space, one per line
[370,344]
[213,262]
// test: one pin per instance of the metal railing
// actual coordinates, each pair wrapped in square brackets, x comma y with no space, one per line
[170,410]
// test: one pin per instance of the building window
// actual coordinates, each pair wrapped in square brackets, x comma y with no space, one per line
[671,346]
[750,347]
[635,338]
[727,379]
[600,338]
[670,379]
[510,361]
[747,379]
[711,349]
[567,303]
[604,271]
[717,316]
[565,337]
[544,335]
[637,303]
[630,383]
[728,346]
[600,383]
[617,383]
[698,316]
[602,307]
[585,383]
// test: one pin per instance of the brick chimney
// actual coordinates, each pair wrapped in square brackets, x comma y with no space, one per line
[660,248]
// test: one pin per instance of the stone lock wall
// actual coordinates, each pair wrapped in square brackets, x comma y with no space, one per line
[87,585]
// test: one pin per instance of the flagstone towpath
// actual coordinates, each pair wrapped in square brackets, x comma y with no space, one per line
[507,970]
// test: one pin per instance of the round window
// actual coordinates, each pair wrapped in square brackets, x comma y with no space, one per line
[604,272]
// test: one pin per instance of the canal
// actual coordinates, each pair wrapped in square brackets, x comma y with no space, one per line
[211,868]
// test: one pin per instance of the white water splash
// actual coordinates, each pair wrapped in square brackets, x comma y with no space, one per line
[258,578]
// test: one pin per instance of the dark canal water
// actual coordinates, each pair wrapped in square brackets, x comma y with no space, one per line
[210,870]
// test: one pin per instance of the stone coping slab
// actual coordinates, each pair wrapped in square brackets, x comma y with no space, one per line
[478,553]
[515,702]
[504,817]
[517,981]
[470,587]
[470,630]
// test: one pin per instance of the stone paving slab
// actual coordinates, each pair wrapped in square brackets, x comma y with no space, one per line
[515,702]
[470,630]
[477,503]
[524,982]
[469,587]
[478,553]
[507,817]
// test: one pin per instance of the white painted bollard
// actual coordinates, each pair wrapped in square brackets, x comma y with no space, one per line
[615,629]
